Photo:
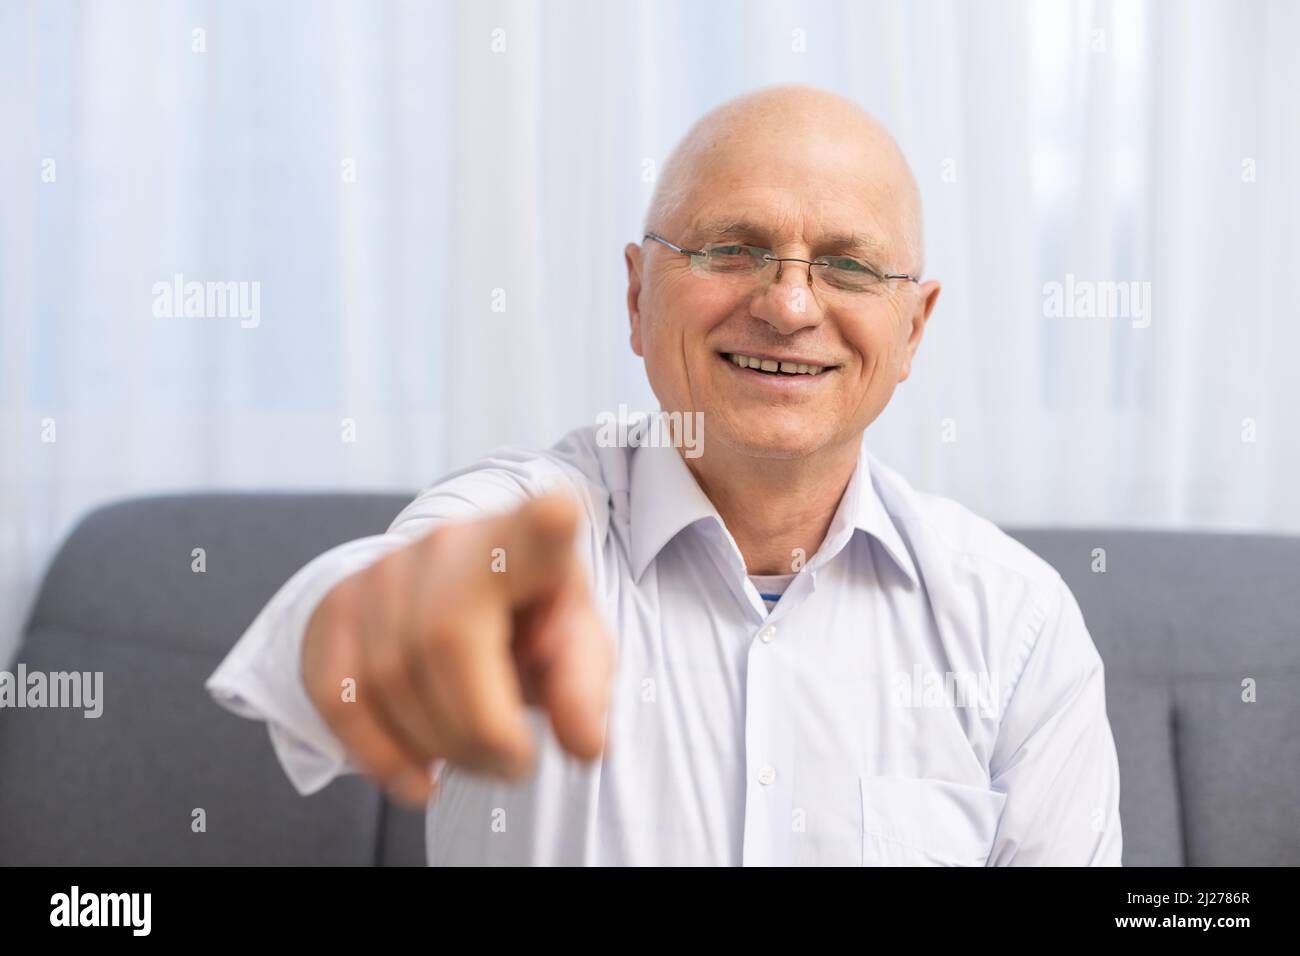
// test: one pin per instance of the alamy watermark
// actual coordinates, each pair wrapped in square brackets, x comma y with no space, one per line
[1088,299]
[130,910]
[977,690]
[209,300]
[78,690]
[628,429]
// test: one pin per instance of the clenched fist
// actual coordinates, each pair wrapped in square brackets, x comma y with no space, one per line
[448,638]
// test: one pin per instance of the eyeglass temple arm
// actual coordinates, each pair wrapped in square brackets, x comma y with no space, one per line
[675,248]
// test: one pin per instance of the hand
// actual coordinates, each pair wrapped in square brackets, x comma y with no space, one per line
[448,638]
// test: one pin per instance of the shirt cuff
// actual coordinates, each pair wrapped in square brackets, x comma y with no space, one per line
[261,677]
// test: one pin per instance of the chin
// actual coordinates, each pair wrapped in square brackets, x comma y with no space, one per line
[769,439]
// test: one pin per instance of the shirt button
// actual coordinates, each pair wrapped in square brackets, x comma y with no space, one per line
[767,634]
[767,776]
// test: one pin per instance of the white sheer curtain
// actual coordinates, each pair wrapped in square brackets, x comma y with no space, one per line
[432,201]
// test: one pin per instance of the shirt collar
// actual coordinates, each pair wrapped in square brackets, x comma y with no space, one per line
[665,499]
[862,509]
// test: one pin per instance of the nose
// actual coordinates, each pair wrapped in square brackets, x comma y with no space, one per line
[787,302]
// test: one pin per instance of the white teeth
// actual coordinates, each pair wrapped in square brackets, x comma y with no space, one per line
[771,365]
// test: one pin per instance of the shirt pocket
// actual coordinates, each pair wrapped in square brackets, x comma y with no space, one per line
[918,821]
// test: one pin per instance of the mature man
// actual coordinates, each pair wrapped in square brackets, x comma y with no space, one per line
[775,651]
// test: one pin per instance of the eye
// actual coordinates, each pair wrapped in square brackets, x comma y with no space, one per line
[847,264]
[728,258]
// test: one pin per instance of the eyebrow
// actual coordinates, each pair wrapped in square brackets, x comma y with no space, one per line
[848,243]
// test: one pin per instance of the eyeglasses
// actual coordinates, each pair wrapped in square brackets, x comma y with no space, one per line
[835,273]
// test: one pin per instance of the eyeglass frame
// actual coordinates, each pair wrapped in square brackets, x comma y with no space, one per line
[768,257]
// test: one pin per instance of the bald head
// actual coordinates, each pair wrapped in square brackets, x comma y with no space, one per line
[801,129]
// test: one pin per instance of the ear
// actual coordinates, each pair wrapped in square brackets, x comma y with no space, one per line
[927,294]
[632,256]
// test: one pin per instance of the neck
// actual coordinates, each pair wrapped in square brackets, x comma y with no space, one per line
[778,510]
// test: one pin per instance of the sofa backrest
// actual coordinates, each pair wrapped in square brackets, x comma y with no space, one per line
[1186,624]
[1181,620]
[121,597]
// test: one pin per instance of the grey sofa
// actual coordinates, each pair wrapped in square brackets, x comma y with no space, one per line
[1180,619]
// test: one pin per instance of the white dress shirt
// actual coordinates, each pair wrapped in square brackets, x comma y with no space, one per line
[925,691]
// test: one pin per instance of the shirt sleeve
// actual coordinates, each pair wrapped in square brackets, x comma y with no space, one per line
[1055,757]
[261,677]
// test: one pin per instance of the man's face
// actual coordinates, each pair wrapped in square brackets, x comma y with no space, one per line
[797,195]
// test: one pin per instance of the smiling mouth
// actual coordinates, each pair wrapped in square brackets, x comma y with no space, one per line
[773,367]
